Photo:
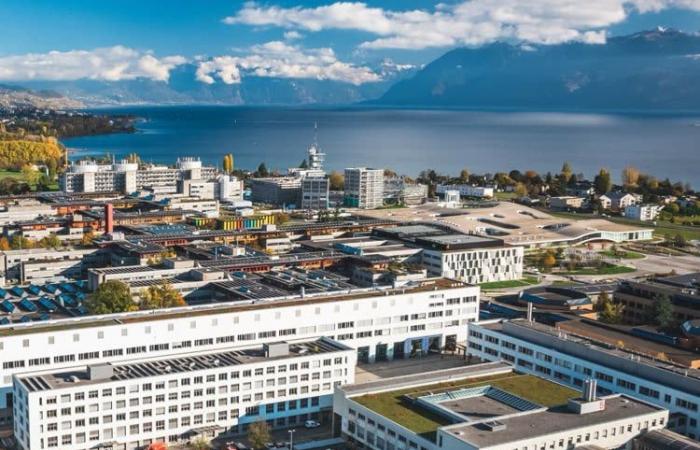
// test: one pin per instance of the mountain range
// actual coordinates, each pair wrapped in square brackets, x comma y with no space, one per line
[657,69]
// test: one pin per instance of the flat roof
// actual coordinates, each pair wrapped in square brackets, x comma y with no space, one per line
[514,223]
[425,285]
[190,363]
[549,421]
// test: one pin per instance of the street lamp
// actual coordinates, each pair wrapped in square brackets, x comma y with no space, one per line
[291,439]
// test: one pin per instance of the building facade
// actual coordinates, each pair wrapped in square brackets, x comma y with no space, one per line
[276,191]
[551,353]
[378,324]
[129,406]
[364,188]
[126,177]
[314,193]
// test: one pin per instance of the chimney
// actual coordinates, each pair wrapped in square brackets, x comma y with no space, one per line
[109,218]
[529,312]
[303,291]
[590,387]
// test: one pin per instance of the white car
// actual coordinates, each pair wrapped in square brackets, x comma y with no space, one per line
[311,424]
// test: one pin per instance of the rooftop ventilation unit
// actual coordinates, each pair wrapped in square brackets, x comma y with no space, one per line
[495,425]
[100,371]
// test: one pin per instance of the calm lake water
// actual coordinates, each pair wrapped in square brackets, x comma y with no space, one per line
[409,141]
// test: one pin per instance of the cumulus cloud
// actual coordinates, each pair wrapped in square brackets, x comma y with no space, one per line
[470,22]
[108,64]
[292,35]
[279,59]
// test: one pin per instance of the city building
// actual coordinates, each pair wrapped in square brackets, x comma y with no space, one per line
[515,224]
[277,191]
[488,406]
[644,213]
[173,400]
[364,188]
[638,297]
[617,200]
[400,192]
[379,323]
[567,202]
[469,258]
[314,193]
[569,359]
[467,190]
[126,177]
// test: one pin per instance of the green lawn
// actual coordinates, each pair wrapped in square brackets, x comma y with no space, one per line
[6,173]
[505,195]
[395,407]
[660,230]
[622,254]
[607,269]
[527,281]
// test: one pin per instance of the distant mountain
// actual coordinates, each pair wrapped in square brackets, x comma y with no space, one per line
[658,69]
[184,88]
[12,97]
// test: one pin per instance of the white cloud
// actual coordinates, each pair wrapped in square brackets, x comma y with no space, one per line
[468,22]
[109,64]
[279,59]
[292,35]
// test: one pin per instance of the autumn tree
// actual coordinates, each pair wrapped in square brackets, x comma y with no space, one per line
[87,238]
[199,444]
[521,190]
[464,176]
[30,174]
[336,181]
[258,434]
[4,244]
[112,296]
[630,176]
[608,310]
[228,163]
[566,172]
[602,182]
[50,241]
[549,261]
[162,296]
[19,242]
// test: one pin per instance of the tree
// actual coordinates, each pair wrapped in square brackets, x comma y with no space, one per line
[163,296]
[282,218]
[30,174]
[87,238]
[112,296]
[602,182]
[304,164]
[608,310]
[661,312]
[50,241]
[4,244]
[19,242]
[262,170]
[549,260]
[679,241]
[258,434]
[520,190]
[464,176]
[630,176]
[337,181]
[566,172]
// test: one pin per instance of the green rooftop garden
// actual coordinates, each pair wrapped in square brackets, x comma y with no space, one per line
[395,407]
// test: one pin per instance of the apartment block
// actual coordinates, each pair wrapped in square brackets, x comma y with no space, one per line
[364,188]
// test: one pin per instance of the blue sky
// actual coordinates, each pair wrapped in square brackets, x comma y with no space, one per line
[106,39]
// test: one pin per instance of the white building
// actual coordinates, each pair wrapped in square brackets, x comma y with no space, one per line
[466,190]
[364,188]
[126,177]
[548,352]
[477,265]
[131,405]
[493,414]
[380,324]
[618,200]
[645,213]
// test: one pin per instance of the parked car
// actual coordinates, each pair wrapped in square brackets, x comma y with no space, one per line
[311,424]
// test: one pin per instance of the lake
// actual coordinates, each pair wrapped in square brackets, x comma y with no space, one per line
[409,141]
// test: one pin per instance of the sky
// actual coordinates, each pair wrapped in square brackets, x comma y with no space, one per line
[323,39]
